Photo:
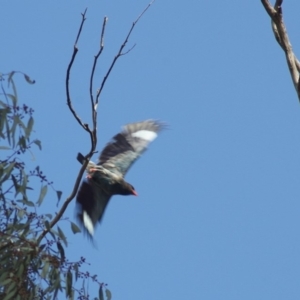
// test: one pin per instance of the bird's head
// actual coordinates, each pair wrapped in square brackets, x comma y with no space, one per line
[125,189]
[133,191]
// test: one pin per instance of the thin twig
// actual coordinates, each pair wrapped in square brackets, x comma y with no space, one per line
[282,38]
[120,51]
[84,126]
[96,59]
[93,132]
[95,105]
[80,28]
[75,50]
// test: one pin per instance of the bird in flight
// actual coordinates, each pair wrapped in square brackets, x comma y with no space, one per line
[106,178]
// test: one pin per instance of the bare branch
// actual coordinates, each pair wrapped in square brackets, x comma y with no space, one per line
[94,106]
[96,58]
[75,50]
[80,28]
[85,127]
[124,53]
[93,132]
[120,51]
[282,38]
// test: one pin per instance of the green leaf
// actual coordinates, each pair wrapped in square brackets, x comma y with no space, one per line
[21,213]
[13,130]
[7,131]
[61,251]
[6,281]
[101,295]
[24,183]
[76,271]
[4,275]
[10,295]
[62,236]
[12,98]
[38,143]
[16,185]
[22,143]
[28,203]
[3,119]
[3,104]
[28,79]
[11,287]
[45,270]
[43,193]
[75,228]
[108,294]
[58,193]
[26,229]
[20,122]
[2,171]
[20,270]
[15,92]
[10,76]
[8,171]
[69,282]
[29,127]
[47,225]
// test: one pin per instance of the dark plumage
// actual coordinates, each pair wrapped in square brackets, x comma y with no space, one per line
[106,178]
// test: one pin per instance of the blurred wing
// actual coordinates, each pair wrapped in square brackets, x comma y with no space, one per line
[91,201]
[126,147]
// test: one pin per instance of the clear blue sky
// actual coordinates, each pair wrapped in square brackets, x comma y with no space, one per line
[217,215]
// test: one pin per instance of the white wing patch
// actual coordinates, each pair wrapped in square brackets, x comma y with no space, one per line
[88,224]
[145,135]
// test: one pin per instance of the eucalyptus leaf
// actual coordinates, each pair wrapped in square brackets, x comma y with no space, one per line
[61,251]
[15,91]
[8,171]
[58,193]
[38,143]
[75,228]
[62,236]
[45,270]
[101,294]
[28,79]
[108,294]
[10,76]
[69,282]
[43,193]
[29,127]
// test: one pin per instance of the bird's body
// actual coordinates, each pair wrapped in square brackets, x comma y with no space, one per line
[106,178]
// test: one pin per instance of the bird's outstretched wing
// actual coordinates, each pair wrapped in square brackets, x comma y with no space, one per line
[91,204]
[126,147]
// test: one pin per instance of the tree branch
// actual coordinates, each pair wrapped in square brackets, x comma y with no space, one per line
[85,127]
[94,104]
[96,59]
[282,38]
[75,50]
[120,51]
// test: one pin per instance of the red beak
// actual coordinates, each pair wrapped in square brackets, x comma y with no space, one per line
[134,193]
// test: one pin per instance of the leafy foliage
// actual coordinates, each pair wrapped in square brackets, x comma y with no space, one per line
[30,269]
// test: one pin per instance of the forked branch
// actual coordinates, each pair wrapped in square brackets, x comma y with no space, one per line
[120,53]
[282,38]
[94,104]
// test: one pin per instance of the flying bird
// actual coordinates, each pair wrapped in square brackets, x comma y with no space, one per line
[106,178]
